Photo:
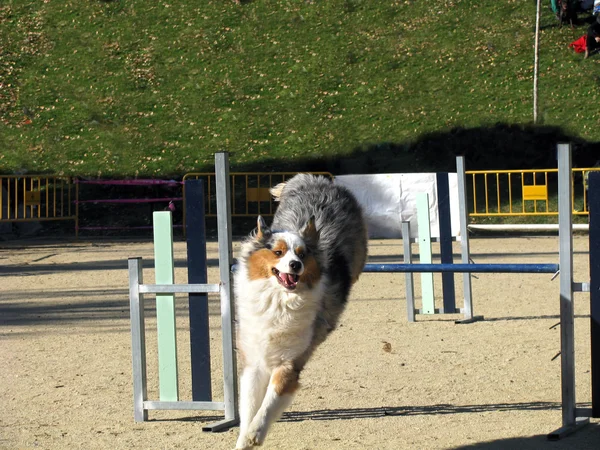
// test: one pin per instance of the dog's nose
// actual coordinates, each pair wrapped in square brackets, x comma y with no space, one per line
[295,265]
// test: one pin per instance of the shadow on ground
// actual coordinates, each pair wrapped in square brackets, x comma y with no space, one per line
[587,437]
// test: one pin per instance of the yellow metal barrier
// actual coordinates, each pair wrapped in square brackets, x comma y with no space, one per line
[522,192]
[490,194]
[249,191]
[28,198]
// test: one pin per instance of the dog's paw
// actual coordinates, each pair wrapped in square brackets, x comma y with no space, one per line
[256,435]
[246,442]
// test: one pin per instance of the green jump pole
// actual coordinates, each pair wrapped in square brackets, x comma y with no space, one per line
[165,307]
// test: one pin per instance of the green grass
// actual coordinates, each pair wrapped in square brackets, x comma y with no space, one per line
[138,88]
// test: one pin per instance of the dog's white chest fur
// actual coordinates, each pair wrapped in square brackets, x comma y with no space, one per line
[274,324]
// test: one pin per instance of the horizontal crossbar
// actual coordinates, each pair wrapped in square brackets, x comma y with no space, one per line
[581,287]
[439,311]
[185,405]
[179,288]
[463,268]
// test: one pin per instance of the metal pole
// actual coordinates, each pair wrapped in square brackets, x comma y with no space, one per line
[465,250]
[227,303]
[536,62]
[570,422]
[462,268]
[565,208]
[409,281]
[138,340]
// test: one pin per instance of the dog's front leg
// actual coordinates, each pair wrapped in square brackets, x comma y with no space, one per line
[253,385]
[282,386]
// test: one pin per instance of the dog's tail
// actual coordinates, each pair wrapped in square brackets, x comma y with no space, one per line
[276,191]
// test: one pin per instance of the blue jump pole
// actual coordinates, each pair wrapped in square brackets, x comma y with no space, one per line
[445,226]
[463,268]
[198,303]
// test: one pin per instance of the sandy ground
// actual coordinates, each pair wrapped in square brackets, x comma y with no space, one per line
[65,377]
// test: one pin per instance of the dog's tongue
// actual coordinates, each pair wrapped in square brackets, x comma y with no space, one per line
[289,279]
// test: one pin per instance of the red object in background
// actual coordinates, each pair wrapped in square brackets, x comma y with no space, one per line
[578,45]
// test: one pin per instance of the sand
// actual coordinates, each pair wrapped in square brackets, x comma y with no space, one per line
[379,382]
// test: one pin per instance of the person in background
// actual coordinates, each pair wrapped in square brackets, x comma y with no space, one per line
[593,38]
[586,185]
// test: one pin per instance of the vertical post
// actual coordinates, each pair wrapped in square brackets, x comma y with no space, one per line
[227,303]
[425,256]
[408,276]
[195,232]
[138,340]
[445,225]
[465,250]
[76,208]
[594,238]
[165,307]
[536,61]
[567,327]
[570,421]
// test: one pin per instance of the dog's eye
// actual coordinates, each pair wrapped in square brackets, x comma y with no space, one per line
[278,252]
[301,255]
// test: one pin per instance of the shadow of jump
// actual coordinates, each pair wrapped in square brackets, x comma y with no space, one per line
[391,411]
[443,409]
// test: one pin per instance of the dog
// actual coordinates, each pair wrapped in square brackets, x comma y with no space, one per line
[291,285]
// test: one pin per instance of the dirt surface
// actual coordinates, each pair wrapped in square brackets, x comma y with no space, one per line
[379,382]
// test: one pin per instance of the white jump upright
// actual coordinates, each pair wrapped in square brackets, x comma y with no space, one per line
[137,289]
[572,417]
[465,250]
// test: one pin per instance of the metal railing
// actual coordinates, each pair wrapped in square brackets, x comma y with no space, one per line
[28,198]
[500,193]
[250,194]
[522,192]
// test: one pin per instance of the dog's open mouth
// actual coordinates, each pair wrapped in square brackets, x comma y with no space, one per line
[287,280]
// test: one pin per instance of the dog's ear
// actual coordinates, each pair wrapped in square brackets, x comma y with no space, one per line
[262,230]
[309,233]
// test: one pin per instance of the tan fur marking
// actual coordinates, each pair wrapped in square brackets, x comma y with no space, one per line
[260,264]
[311,273]
[285,379]
[262,261]
[280,246]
